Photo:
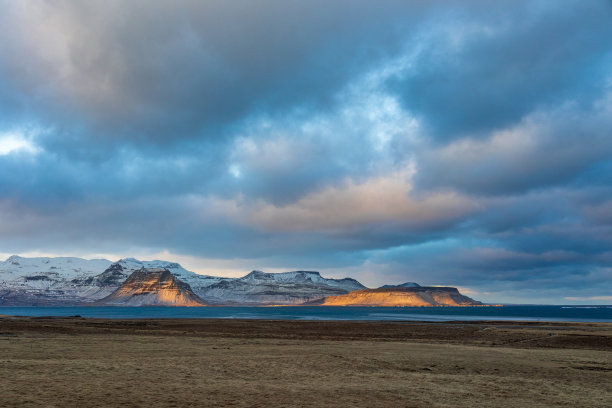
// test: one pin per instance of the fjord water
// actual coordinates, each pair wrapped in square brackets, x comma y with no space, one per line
[509,313]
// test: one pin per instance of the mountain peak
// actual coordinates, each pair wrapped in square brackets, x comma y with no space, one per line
[150,271]
[255,274]
[402,285]
[13,259]
[153,287]
[315,273]
[129,260]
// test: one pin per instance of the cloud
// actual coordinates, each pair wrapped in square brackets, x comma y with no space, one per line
[484,69]
[543,149]
[376,204]
[153,72]
[438,142]
[589,298]
[16,142]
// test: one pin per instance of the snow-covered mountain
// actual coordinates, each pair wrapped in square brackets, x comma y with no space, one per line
[49,281]
[152,287]
[124,267]
[54,281]
[287,288]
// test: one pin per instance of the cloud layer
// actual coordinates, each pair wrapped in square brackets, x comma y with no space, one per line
[457,143]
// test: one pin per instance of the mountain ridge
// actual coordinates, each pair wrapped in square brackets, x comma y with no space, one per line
[284,288]
[48,281]
[401,285]
[403,297]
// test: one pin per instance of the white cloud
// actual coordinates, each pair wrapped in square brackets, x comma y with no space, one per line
[587,298]
[14,142]
[235,171]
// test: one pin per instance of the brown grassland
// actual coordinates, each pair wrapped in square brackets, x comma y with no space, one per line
[73,362]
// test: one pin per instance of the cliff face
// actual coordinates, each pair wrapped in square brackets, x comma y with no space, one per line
[402,296]
[152,287]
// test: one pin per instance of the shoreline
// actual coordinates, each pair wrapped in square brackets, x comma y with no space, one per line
[508,322]
[505,314]
[545,334]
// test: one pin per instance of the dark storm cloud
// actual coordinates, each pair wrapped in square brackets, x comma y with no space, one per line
[484,70]
[445,142]
[541,150]
[552,241]
[160,71]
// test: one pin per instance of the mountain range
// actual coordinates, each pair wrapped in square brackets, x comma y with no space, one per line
[46,281]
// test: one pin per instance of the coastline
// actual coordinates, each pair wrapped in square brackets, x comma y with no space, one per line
[547,334]
[510,313]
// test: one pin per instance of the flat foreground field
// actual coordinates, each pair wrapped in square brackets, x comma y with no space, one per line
[244,363]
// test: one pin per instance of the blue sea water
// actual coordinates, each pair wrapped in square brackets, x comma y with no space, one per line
[430,314]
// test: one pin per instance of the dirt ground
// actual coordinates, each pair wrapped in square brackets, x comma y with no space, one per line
[241,363]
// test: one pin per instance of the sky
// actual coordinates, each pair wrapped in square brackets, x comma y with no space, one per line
[461,143]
